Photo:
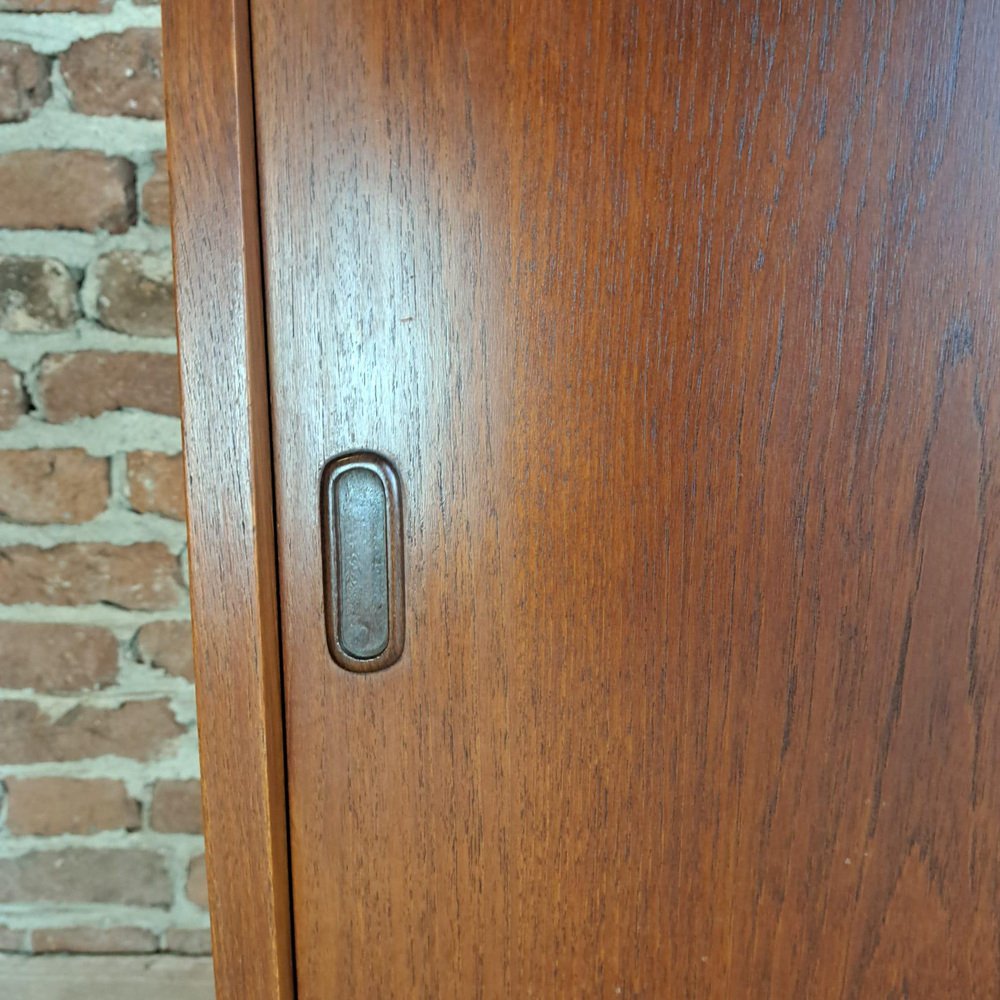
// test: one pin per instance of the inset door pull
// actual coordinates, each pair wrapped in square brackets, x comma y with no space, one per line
[363,561]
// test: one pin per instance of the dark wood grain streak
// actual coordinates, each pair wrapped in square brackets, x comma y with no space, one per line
[679,321]
[229,493]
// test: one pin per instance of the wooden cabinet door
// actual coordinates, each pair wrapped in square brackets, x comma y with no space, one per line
[679,322]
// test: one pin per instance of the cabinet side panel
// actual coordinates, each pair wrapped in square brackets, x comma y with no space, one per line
[229,493]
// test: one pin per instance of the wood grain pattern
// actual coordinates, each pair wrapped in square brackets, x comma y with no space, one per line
[679,322]
[229,493]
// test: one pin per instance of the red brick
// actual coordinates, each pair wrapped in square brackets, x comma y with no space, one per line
[57,6]
[65,486]
[167,646]
[135,293]
[93,941]
[116,74]
[37,295]
[156,193]
[89,383]
[137,730]
[13,402]
[197,882]
[156,484]
[86,875]
[144,576]
[66,189]
[56,659]
[24,81]
[176,807]
[45,807]
[188,941]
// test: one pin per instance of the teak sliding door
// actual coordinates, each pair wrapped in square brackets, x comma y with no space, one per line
[678,322]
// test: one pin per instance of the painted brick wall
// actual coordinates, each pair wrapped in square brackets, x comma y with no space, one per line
[100,844]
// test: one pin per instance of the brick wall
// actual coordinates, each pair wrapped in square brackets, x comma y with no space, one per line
[100,845]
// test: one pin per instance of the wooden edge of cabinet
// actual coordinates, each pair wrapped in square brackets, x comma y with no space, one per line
[230,500]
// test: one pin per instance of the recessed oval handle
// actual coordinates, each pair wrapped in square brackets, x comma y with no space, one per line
[363,561]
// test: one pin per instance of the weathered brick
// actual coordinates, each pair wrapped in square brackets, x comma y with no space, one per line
[45,807]
[143,576]
[116,74]
[56,6]
[135,293]
[66,189]
[13,402]
[24,81]
[197,882]
[156,193]
[14,940]
[86,875]
[188,941]
[89,383]
[156,484]
[86,191]
[137,730]
[167,646]
[176,807]
[93,940]
[37,295]
[65,486]
[56,659]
